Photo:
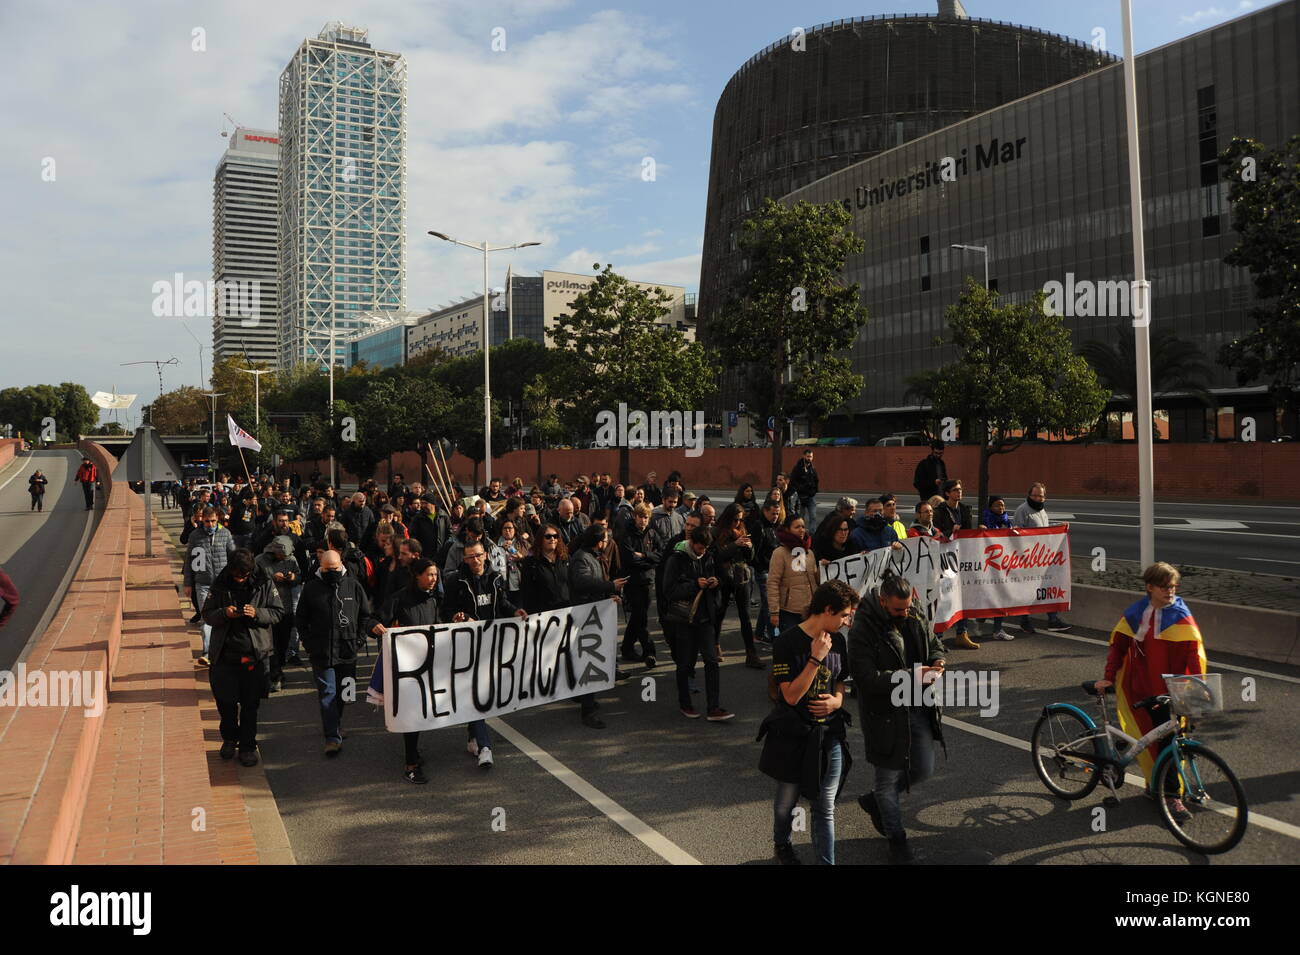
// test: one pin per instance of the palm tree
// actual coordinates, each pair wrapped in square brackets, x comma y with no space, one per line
[1177,366]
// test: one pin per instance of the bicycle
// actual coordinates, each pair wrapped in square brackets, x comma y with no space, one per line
[1073,755]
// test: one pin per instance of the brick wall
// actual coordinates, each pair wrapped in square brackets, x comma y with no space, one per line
[1229,471]
[8,448]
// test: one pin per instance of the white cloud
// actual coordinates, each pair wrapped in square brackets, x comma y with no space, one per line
[1218,13]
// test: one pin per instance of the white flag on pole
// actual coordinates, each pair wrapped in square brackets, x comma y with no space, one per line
[241,438]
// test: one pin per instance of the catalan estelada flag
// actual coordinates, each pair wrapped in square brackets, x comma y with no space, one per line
[1146,644]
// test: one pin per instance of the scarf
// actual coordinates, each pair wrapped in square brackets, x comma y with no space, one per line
[791,541]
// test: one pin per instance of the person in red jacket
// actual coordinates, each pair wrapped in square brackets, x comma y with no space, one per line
[87,477]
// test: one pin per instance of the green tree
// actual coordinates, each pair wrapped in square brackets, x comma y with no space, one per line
[1016,374]
[23,409]
[77,413]
[111,428]
[463,426]
[1176,365]
[182,411]
[612,349]
[789,312]
[1265,198]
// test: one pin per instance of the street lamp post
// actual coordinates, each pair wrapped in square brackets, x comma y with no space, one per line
[257,374]
[1141,309]
[212,435]
[983,250]
[333,477]
[487,378]
[200,344]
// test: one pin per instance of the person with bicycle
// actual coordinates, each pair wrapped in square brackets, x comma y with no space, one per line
[1156,636]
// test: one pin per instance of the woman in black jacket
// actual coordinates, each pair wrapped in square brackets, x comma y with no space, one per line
[417,606]
[36,487]
[733,550]
[588,583]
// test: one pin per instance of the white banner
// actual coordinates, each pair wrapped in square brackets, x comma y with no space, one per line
[980,574]
[458,672]
[241,438]
[114,401]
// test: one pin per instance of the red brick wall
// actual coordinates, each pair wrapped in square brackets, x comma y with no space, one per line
[1231,471]
[8,448]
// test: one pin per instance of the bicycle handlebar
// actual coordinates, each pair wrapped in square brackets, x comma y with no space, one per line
[1088,687]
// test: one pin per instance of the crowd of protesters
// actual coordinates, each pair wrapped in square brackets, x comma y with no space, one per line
[283,573]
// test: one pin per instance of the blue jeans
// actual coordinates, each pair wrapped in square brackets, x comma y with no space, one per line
[809,508]
[330,689]
[891,782]
[823,809]
[200,597]
[478,731]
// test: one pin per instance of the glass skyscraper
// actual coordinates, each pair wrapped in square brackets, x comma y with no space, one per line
[342,190]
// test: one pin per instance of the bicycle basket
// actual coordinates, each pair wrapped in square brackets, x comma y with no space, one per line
[1195,696]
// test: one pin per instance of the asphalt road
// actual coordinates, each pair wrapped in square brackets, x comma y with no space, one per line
[690,791]
[37,548]
[1250,538]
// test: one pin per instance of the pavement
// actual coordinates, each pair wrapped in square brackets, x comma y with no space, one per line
[37,548]
[656,788]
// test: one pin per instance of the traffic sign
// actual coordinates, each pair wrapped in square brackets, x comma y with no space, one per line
[740,407]
[732,418]
[771,423]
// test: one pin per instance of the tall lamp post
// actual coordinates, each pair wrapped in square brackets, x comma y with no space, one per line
[212,435]
[333,477]
[1141,308]
[257,374]
[200,344]
[983,250]
[487,378]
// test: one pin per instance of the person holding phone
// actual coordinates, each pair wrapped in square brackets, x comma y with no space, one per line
[811,758]
[892,645]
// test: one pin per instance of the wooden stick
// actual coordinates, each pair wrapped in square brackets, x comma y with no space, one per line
[443,491]
[446,471]
[437,489]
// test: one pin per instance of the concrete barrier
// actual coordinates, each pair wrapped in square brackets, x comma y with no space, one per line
[1271,635]
[47,751]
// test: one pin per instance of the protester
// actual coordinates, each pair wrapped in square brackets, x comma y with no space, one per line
[641,552]
[733,549]
[923,525]
[894,529]
[789,497]
[666,623]
[763,528]
[571,521]
[832,540]
[745,498]
[205,558]
[931,473]
[88,478]
[474,592]
[36,488]
[1156,636]
[805,482]
[807,747]
[792,576]
[653,495]
[691,583]
[666,520]
[1033,513]
[241,608]
[873,531]
[333,617]
[507,555]
[995,517]
[891,644]
[416,605]
[951,516]
[278,564]
[844,507]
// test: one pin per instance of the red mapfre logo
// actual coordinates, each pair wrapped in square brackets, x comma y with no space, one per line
[263,139]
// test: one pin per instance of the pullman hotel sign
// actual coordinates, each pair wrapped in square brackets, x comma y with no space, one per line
[995,152]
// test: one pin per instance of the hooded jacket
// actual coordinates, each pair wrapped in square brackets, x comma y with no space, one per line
[877,652]
[258,591]
[587,580]
[271,563]
[413,607]
[478,597]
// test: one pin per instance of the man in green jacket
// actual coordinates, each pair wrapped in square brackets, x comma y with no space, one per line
[892,649]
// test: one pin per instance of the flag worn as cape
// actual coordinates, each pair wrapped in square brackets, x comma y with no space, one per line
[1145,644]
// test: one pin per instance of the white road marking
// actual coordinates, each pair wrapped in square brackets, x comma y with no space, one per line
[1270,560]
[1221,666]
[29,460]
[1255,818]
[658,844]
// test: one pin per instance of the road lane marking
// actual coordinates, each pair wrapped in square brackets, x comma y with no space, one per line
[30,459]
[1271,560]
[659,844]
[1254,818]
[1221,666]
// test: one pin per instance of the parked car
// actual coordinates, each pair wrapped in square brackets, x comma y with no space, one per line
[909,439]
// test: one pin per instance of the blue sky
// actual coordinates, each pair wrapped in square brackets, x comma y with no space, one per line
[542,141]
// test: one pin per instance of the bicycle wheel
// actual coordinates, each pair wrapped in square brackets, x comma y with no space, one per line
[1059,736]
[1214,801]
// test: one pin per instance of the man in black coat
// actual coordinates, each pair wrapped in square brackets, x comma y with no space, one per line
[890,644]
[641,551]
[429,527]
[931,472]
[333,617]
[242,607]
[690,574]
[359,521]
[804,480]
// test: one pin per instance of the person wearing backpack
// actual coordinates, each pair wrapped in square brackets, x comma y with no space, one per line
[806,748]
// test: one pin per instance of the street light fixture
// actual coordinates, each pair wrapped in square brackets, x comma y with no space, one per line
[257,374]
[983,250]
[487,378]
[212,436]
[201,346]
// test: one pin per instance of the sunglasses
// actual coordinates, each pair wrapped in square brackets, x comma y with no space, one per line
[550,537]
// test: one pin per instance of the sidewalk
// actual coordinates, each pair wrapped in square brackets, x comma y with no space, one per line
[1202,583]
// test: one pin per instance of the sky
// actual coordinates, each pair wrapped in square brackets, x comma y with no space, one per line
[115,124]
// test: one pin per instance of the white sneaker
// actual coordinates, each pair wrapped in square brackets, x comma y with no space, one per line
[1001,634]
[472,747]
[485,758]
